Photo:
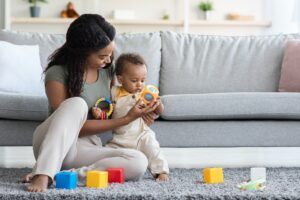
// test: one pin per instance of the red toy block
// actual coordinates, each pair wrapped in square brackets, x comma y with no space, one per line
[115,175]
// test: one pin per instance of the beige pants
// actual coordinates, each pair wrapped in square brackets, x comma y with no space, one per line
[146,143]
[57,147]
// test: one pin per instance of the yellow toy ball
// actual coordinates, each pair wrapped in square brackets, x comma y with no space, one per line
[105,106]
[149,94]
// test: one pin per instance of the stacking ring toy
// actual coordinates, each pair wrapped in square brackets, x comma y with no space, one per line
[150,93]
[107,110]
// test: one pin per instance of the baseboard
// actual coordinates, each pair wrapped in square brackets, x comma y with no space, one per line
[233,157]
[189,157]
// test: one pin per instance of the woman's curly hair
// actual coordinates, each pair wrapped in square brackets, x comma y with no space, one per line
[87,34]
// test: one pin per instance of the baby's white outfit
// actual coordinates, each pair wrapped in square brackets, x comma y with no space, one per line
[137,134]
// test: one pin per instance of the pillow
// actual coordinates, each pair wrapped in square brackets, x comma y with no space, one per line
[20,69]
[47,42]
[290,71]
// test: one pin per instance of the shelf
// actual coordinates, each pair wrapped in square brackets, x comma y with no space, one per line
[230,23]
[146,22]
[19,20]
[40,20]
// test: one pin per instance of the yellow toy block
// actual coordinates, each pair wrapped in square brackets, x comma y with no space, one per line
[213,175]
[97,179]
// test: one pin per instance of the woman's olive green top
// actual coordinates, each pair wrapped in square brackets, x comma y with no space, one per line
[91,92]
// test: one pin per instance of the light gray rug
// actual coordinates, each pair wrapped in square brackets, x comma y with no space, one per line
[282,183]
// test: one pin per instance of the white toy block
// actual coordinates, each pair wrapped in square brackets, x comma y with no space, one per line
[258,173]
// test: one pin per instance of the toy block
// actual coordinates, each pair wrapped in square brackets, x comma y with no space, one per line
[115,175]
[213,175]
[97,179]
[258,173]
[66,180]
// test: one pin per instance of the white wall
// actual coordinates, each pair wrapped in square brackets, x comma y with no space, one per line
[223,7]
[146,10]
[284,15]
[20,8]
[296,14]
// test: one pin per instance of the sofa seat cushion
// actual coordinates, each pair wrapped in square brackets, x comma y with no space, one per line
[272,105]
[23,107]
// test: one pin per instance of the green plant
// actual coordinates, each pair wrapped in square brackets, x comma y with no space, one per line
[205,6]
[35,2]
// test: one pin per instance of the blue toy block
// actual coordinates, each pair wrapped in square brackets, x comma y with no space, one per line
[66,180]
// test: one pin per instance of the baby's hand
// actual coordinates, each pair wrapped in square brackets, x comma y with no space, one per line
[158,99]
[96,112]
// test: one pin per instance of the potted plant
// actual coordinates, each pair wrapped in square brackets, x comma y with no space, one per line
[206,7]
[34,8]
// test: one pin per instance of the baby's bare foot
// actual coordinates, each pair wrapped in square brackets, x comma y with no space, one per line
[39,183]
[162,177]
[27,178]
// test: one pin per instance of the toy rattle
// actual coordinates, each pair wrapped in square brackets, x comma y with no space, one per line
[253,185]
[149,94]
[105,106]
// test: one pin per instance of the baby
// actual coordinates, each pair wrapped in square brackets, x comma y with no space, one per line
[131,73]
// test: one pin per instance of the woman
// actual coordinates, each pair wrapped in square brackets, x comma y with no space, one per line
[77,75]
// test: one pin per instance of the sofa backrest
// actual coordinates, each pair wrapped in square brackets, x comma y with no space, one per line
[193,64]
[146,44]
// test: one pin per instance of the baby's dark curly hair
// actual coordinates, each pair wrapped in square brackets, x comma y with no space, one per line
[87,34]
[126,58]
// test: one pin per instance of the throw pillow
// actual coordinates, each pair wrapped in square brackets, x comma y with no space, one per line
[290,71]
[20,69]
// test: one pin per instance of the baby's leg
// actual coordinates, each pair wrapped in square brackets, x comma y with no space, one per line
[157,163]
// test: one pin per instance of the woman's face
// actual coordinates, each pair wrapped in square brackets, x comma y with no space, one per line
[101,58]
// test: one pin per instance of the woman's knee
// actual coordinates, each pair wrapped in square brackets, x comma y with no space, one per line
[139,165]
[78,104]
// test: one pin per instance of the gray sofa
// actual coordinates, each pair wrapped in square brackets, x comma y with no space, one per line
[218,91]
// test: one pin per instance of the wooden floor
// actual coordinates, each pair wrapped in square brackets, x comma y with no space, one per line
[188,157]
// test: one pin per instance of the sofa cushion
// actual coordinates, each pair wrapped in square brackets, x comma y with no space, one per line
[232,106]
[193,64]
[23,107]
[227,133]
[20,66]
[146,44]
[290,71]
[47,42]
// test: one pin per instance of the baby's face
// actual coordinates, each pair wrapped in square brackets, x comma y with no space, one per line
[133,77]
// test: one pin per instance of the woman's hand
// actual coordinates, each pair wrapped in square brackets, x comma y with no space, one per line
[96,112]
[140,109]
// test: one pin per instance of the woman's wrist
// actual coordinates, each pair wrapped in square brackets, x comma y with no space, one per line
[127,119]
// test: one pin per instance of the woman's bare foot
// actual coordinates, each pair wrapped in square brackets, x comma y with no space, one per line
[162,177]
[39,183]
[27,178]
